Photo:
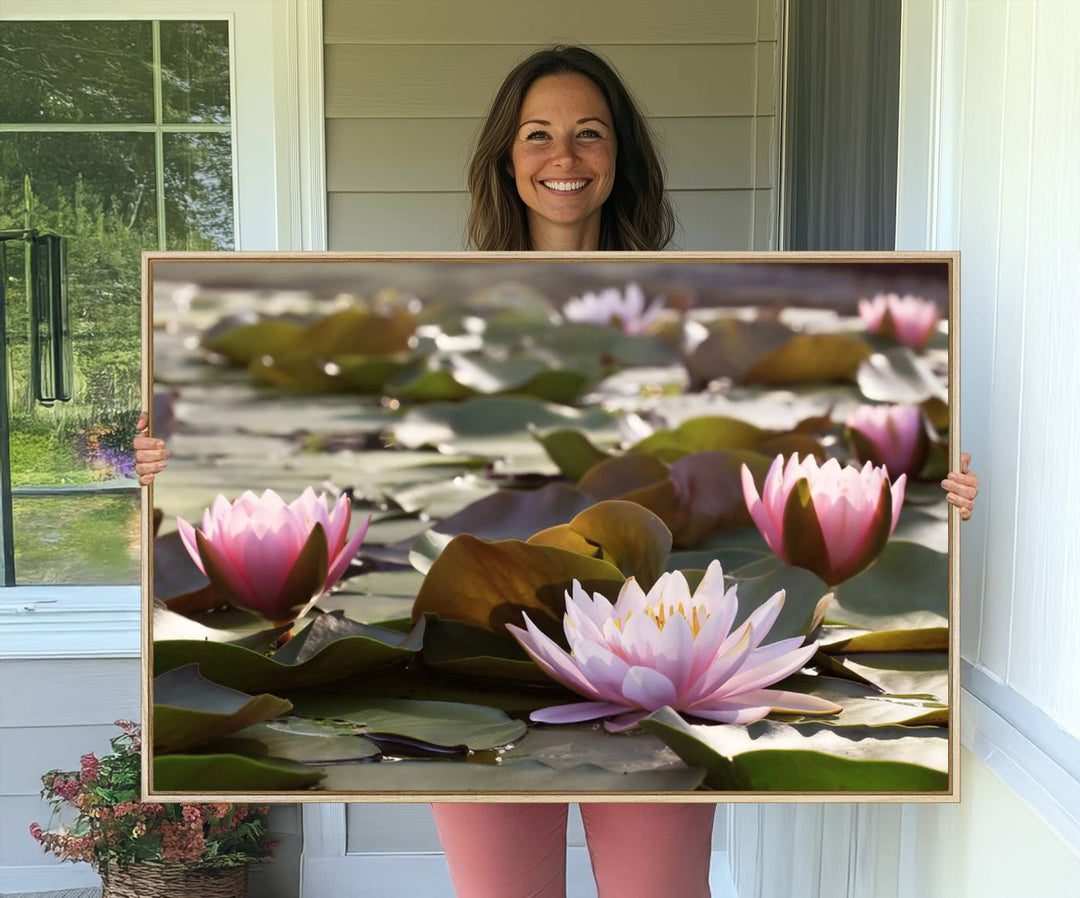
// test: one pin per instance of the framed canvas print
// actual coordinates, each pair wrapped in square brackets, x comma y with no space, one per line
[584,527]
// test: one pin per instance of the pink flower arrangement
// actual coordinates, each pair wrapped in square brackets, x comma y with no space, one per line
[614,307]
[909,319]
[890,435]
[831,520]
[114,828]
[669,648]
[270,557]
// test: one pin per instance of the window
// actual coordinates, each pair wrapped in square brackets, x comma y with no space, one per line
[116,135]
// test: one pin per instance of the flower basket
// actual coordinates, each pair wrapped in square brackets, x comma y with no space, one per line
[174,881]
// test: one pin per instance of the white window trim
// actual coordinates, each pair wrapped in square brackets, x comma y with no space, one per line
[280,200]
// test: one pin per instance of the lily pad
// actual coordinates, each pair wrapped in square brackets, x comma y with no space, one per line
[912,674]
[865,706]
[239,628]
[507,514]
[244,342]
[704,434]
[438,723]
[496,426]
[526,777]
[702,494]
[805,595]
[465,650]
[770,756]
[733,548]
[230,773]
[619,476]
[189,709]
[732,348]
[490,584]
[331,648]
[295,740]
[567,746]
[628,535]
[899,376]
[571,450]
[809,358]
[907,588]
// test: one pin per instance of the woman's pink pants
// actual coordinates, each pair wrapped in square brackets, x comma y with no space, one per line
[638,850]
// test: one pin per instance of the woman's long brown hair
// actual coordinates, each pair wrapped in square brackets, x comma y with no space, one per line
[637,214]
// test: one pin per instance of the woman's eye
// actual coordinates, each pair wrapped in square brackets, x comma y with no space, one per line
[536,135]
[589,132]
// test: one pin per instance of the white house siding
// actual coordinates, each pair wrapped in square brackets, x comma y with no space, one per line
[52,711]
[989,141]
[408,82]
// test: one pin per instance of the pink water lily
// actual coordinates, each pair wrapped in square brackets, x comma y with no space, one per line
[271,557]
[891,435]
[832,520]
[668,647]
[613,307]
[909,319]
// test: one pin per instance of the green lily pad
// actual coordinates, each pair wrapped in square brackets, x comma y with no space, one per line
[733,548]
[704,434]
[525,776]
[628,535]
[566,746]
[442,498]
[571,450]
[331,648]
[437,723]
[769,756]
[189,709]
[233,626]
[866,706]
[496,426]
[230,773]
[907,588]
[245,342]
[516,697]
[805,596]
[465,650]
[295,740]
[912,674]
[490,584]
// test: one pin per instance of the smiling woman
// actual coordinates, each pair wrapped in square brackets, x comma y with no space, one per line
[563,117]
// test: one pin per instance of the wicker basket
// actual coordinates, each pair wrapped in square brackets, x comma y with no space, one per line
[174,881]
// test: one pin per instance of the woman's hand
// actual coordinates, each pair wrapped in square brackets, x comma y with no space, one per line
[962,487]
[150,453]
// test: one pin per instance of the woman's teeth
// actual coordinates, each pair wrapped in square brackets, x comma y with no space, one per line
[564,186]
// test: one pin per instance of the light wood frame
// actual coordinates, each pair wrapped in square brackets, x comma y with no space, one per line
[950,259]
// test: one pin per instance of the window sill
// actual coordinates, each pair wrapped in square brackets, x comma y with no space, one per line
[70,622]
[1031,754]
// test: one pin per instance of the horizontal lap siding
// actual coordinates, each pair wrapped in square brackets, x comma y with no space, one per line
[408,83]
[51,713]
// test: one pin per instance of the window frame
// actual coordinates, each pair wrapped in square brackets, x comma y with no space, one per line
[279,203]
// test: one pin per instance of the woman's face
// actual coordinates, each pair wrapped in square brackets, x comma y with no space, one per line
[563,154]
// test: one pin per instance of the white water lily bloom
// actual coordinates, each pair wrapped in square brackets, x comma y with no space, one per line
[669,647]
[625,310]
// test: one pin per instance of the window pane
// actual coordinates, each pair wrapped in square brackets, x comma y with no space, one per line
[198,192]
[98,191]
[79,540]
[76,72]
[195,71]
